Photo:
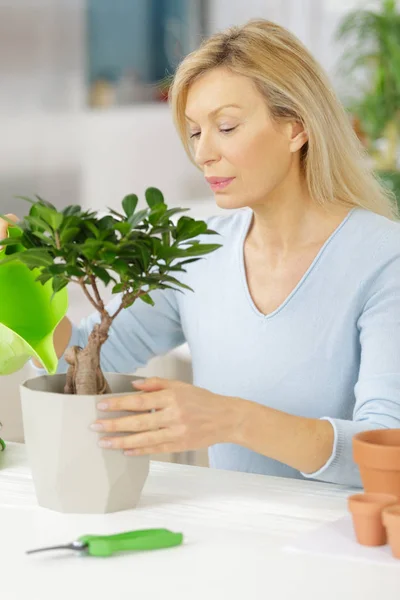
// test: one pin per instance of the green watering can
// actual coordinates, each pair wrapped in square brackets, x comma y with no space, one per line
[28,316]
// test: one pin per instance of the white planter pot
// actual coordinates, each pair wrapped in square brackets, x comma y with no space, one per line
[71,473]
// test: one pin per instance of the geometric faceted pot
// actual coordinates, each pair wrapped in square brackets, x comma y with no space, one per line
[71,473]
[377,454]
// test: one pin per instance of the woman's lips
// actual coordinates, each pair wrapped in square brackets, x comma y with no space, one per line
[219,183]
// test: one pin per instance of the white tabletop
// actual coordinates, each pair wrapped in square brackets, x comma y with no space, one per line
[236,527]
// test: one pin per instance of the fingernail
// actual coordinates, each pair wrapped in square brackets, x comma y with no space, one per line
[102,406]
[97,427]
[105,444]
[138,382]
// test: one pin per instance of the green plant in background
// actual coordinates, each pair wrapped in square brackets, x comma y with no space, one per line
[372,40]
[135,251]
[2,443]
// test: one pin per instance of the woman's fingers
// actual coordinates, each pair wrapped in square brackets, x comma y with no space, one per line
[4,225]
[160,449]
[145,422]
[140,440]
[135,402]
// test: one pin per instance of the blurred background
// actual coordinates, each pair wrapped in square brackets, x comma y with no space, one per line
[84,116]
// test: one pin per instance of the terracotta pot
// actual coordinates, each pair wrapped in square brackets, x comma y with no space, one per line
[391,520]
[366,510]
[377,454]
[70,472]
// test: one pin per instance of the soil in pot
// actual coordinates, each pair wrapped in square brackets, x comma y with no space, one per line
[366,511]
[71,473]
[377,454]
[391,521]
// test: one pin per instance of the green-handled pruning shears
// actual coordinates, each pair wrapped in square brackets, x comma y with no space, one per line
[106,545]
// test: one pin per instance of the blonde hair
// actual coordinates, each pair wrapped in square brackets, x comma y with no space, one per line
[295,87]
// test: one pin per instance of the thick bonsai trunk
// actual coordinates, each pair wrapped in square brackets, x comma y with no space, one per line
[84,375]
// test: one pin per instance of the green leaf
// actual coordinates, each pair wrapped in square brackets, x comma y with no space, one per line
[58,283]
[106,223]
[91,248]
[145,256]
[153,197]
[45,216]
[111,246]
[147,299]
[45,202]
[129,204]
[36,257]
[57,269]
[157,214]
[73,270]
[123,227]
[69,234]
[47,239]
[38,222]
[108,256]
[44,278]
[158,230]
[92,228]
[56,220]
[175,281]
[191,250]
[28,239]
[188,229]
[120,266]
[203,249]
[101,273]
[119,287]
[72,210]
[11,241]
[173,211]
[136,218]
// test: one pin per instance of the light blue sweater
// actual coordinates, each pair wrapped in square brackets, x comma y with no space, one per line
[330,351]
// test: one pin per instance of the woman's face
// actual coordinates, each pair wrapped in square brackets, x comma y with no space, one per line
[235,140]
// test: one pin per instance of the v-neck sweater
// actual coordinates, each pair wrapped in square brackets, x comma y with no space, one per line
[330,351]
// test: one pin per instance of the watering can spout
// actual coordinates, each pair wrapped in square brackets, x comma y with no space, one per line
[45,352]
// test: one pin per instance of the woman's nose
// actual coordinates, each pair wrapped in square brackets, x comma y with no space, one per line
[205,152]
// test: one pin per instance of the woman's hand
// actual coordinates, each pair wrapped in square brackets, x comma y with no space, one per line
[183,417]
[4,225]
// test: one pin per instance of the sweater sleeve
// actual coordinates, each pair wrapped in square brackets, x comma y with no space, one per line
[377,391]
[138,333]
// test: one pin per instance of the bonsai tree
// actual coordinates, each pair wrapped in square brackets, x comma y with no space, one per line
[134,251]
[372,55]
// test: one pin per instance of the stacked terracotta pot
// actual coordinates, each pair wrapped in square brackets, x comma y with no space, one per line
[376,512]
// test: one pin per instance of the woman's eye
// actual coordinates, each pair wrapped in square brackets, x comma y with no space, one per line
[198,133]
[227,130]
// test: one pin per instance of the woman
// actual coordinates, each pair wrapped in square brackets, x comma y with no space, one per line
[294,326]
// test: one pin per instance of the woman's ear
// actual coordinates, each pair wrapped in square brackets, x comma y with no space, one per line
[298,136]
